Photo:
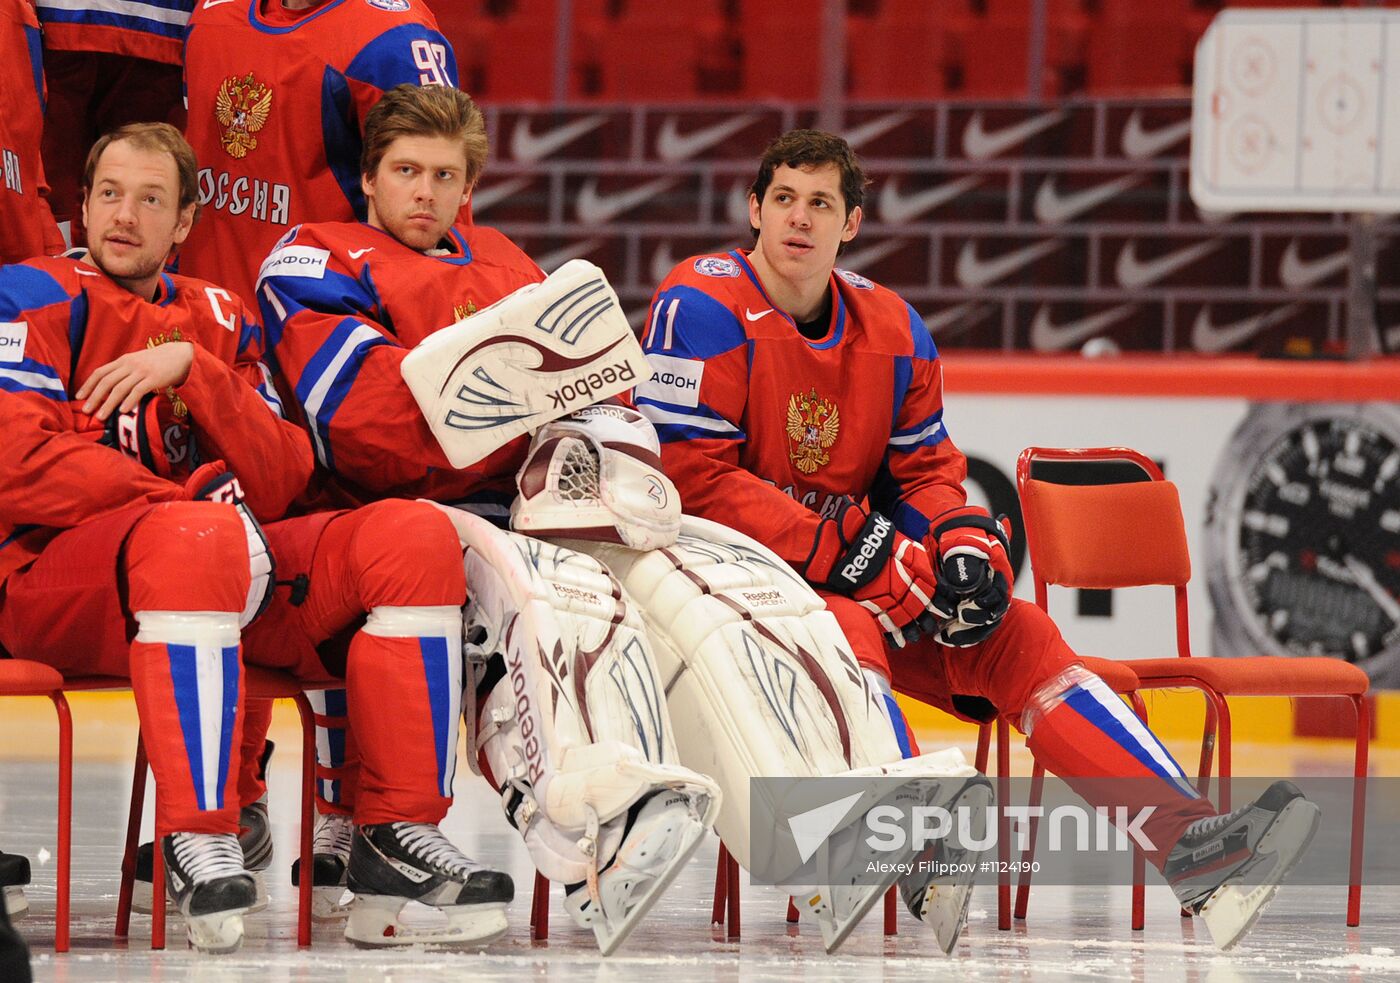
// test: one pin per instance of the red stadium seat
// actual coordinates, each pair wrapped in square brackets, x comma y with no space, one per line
[781,51]
[900,53]
[1121,61]
[655,52]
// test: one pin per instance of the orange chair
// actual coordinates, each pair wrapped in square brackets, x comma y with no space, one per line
[23,677]
[1131,533]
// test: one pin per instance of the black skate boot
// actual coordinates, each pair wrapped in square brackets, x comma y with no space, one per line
[205,877]
[14,954]
[939,889]
[392,864]
[330,859]
[14,874]
[1227,868]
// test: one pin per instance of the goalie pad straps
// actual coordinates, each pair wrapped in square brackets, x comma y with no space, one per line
[596,474]
[535,355]
[576,730]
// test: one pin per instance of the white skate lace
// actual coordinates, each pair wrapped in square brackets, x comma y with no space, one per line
[426,842]
[204,857]
[334,835]
[1209,826]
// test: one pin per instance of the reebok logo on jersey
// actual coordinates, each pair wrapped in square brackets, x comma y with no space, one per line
[13,335]
[307,261]
[673,380]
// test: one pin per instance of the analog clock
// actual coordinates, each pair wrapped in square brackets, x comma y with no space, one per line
[1303,535]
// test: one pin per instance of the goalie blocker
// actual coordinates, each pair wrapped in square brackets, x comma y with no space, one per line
[535,355]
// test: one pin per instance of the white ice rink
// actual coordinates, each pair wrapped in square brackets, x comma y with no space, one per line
[1071,933]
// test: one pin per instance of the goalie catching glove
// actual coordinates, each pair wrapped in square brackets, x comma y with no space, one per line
[860,554]
[213,482]
[974,574]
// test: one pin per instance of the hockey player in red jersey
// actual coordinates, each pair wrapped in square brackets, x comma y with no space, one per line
[130,549]
[277,95]
[344,305]
[27,226]
[802,405]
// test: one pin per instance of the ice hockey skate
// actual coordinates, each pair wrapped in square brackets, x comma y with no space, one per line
[662,833]
[1226,868]
[205,877]
[939,894]
[330,860]
[392,864]
[255,839]
[14,874]
[14,954]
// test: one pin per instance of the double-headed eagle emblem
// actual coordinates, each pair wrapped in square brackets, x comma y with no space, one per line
[812,425]
[241,106]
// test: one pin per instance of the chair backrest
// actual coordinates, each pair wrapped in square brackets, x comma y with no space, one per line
[1103,528]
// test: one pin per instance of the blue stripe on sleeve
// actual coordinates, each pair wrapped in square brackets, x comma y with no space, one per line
[341,136]
[23,288]
[388,60]
[699,326]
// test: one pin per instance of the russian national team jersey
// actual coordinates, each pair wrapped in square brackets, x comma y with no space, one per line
[276,109]
[26,225]
[343,303]
[153,29]
[765,430]
[61,319]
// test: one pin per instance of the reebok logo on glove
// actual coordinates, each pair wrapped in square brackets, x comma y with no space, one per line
[873,541]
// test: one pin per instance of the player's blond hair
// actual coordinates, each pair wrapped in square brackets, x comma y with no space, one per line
[157,138]
[425,111]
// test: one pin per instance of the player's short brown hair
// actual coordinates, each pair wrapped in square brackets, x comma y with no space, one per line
[812,148]
[157,137]
[428,110]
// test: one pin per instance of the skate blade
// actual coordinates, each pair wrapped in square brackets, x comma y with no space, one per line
[610,935]
[1233,908]
[374,923]
[330,904]
[216,934]
[821,907]
[945,904]
[142,896]
[16,904]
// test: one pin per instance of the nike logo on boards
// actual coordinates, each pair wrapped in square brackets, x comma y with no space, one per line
[1046,336]
[672,145]
[897,208]
[1207,336]
[550,262]
[857,136]
[484,198]
[596,208]
[1140,144]
[737,204]
[1051,207]
[974,312]
[971,271]
[529,148]
[357,253]
[869,257]
[1296,273]
[981,144]
[1133,273]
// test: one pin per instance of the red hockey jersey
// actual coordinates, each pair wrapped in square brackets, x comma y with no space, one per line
[27,227]
[60,319]
[343,303]
[765,430]
[277,102]
[153,29]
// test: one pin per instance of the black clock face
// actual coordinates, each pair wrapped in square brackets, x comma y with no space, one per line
[1319,540]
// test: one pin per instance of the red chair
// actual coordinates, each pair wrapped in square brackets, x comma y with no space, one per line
[23,677]
[1131,533]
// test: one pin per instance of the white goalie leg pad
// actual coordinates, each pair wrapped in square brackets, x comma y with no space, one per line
[578,727]
[596,474]
[535,355]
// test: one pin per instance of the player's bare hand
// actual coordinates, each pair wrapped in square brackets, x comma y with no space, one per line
[120,384]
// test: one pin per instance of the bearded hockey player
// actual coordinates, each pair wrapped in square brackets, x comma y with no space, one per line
[802,404]
[134,551]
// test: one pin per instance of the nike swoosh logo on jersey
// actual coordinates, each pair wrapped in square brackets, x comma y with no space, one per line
[1207,336]
[357,253]
[1133,273]
[594,208]
[1139,144]
[528,147]
[1046,336]
[484,198]
[672,145]
[1296,273]
[1051,207]
[549,262]
[868,131]
[974,272]
[980,145]
[897,208]
[751,316]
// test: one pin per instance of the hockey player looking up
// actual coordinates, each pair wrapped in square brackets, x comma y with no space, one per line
[133,397]
[802,404]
